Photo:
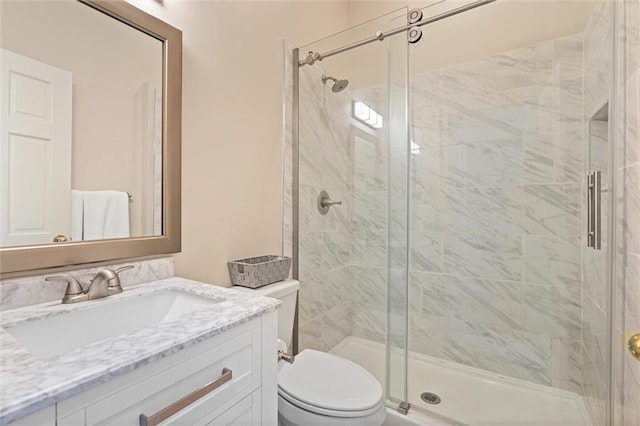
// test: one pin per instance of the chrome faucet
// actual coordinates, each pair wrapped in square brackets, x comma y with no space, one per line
[105,283]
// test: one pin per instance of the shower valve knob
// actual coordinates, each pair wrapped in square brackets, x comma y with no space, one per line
[325,202]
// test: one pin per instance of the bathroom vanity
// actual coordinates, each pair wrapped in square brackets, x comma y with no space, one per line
[169,351]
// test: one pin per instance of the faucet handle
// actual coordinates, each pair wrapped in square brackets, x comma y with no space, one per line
[114,283]
[73,286]
[123,268]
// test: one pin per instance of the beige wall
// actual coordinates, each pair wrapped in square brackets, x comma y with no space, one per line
[232,120]
[109,61]
[476,34]
[232,123]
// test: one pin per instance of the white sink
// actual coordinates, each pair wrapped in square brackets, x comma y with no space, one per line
[55,335]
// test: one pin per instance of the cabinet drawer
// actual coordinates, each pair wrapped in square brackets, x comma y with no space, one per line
[157,392]
[160,384]
[240,411]
[244,413]
[75,419]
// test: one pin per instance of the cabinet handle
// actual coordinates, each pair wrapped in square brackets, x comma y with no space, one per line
[172,409]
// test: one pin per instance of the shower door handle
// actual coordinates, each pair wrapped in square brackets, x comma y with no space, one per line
[594,189]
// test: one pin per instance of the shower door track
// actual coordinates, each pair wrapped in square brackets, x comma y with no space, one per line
[380,35]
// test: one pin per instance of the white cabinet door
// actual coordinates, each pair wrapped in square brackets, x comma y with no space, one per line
[35,157]
[235,354]
[76,419]
[244,413]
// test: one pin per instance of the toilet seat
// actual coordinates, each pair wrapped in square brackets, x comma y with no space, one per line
[328,385]
[291,415]
[326,412]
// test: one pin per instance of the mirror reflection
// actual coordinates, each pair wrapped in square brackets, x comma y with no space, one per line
[81,125]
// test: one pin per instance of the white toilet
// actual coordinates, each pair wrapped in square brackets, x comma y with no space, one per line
[320,388]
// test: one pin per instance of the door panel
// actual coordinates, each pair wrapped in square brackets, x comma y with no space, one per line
[36,151]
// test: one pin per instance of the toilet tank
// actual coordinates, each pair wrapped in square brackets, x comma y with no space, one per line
[287,292]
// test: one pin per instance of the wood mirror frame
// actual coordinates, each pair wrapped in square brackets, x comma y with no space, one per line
[24,258]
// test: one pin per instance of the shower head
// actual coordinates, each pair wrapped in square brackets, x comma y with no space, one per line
[338,85]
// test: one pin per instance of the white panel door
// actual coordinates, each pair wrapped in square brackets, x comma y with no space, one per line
[35,159]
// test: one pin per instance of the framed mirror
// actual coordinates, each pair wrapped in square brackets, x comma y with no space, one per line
[90,161]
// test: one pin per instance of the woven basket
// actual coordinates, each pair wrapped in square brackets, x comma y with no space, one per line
[259,271]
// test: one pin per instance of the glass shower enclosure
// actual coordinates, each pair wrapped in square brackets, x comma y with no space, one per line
[453,202]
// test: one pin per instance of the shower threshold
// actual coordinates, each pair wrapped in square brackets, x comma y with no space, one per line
[472,396]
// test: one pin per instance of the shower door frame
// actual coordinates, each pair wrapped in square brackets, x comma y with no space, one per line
[295,193]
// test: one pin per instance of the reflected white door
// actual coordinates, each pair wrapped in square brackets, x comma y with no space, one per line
[35,159]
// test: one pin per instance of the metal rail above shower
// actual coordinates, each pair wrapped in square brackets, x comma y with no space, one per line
[414,33]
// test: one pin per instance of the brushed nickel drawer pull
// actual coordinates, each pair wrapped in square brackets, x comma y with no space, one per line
[172,409]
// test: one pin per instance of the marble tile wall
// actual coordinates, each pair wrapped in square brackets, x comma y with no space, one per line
[496,229]
[379,219]
[29,290]
[343,255]
[369,227]
[325,314]
[495,275]
[597,84]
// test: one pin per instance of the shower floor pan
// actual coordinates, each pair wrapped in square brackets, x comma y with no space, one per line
[472,396]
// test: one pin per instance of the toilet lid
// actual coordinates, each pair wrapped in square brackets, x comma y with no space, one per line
[329,382]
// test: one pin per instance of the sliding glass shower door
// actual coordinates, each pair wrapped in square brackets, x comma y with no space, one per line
[398,256]
[351,199]
[511,273]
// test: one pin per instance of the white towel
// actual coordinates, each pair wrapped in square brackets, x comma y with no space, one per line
[77,214]
[106,215]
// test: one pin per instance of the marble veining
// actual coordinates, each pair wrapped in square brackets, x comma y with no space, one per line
[30,384]
[324,243]
[494,197]
[495,213]
[23,291]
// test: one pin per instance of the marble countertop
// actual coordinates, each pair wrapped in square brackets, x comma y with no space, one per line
[30,384]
